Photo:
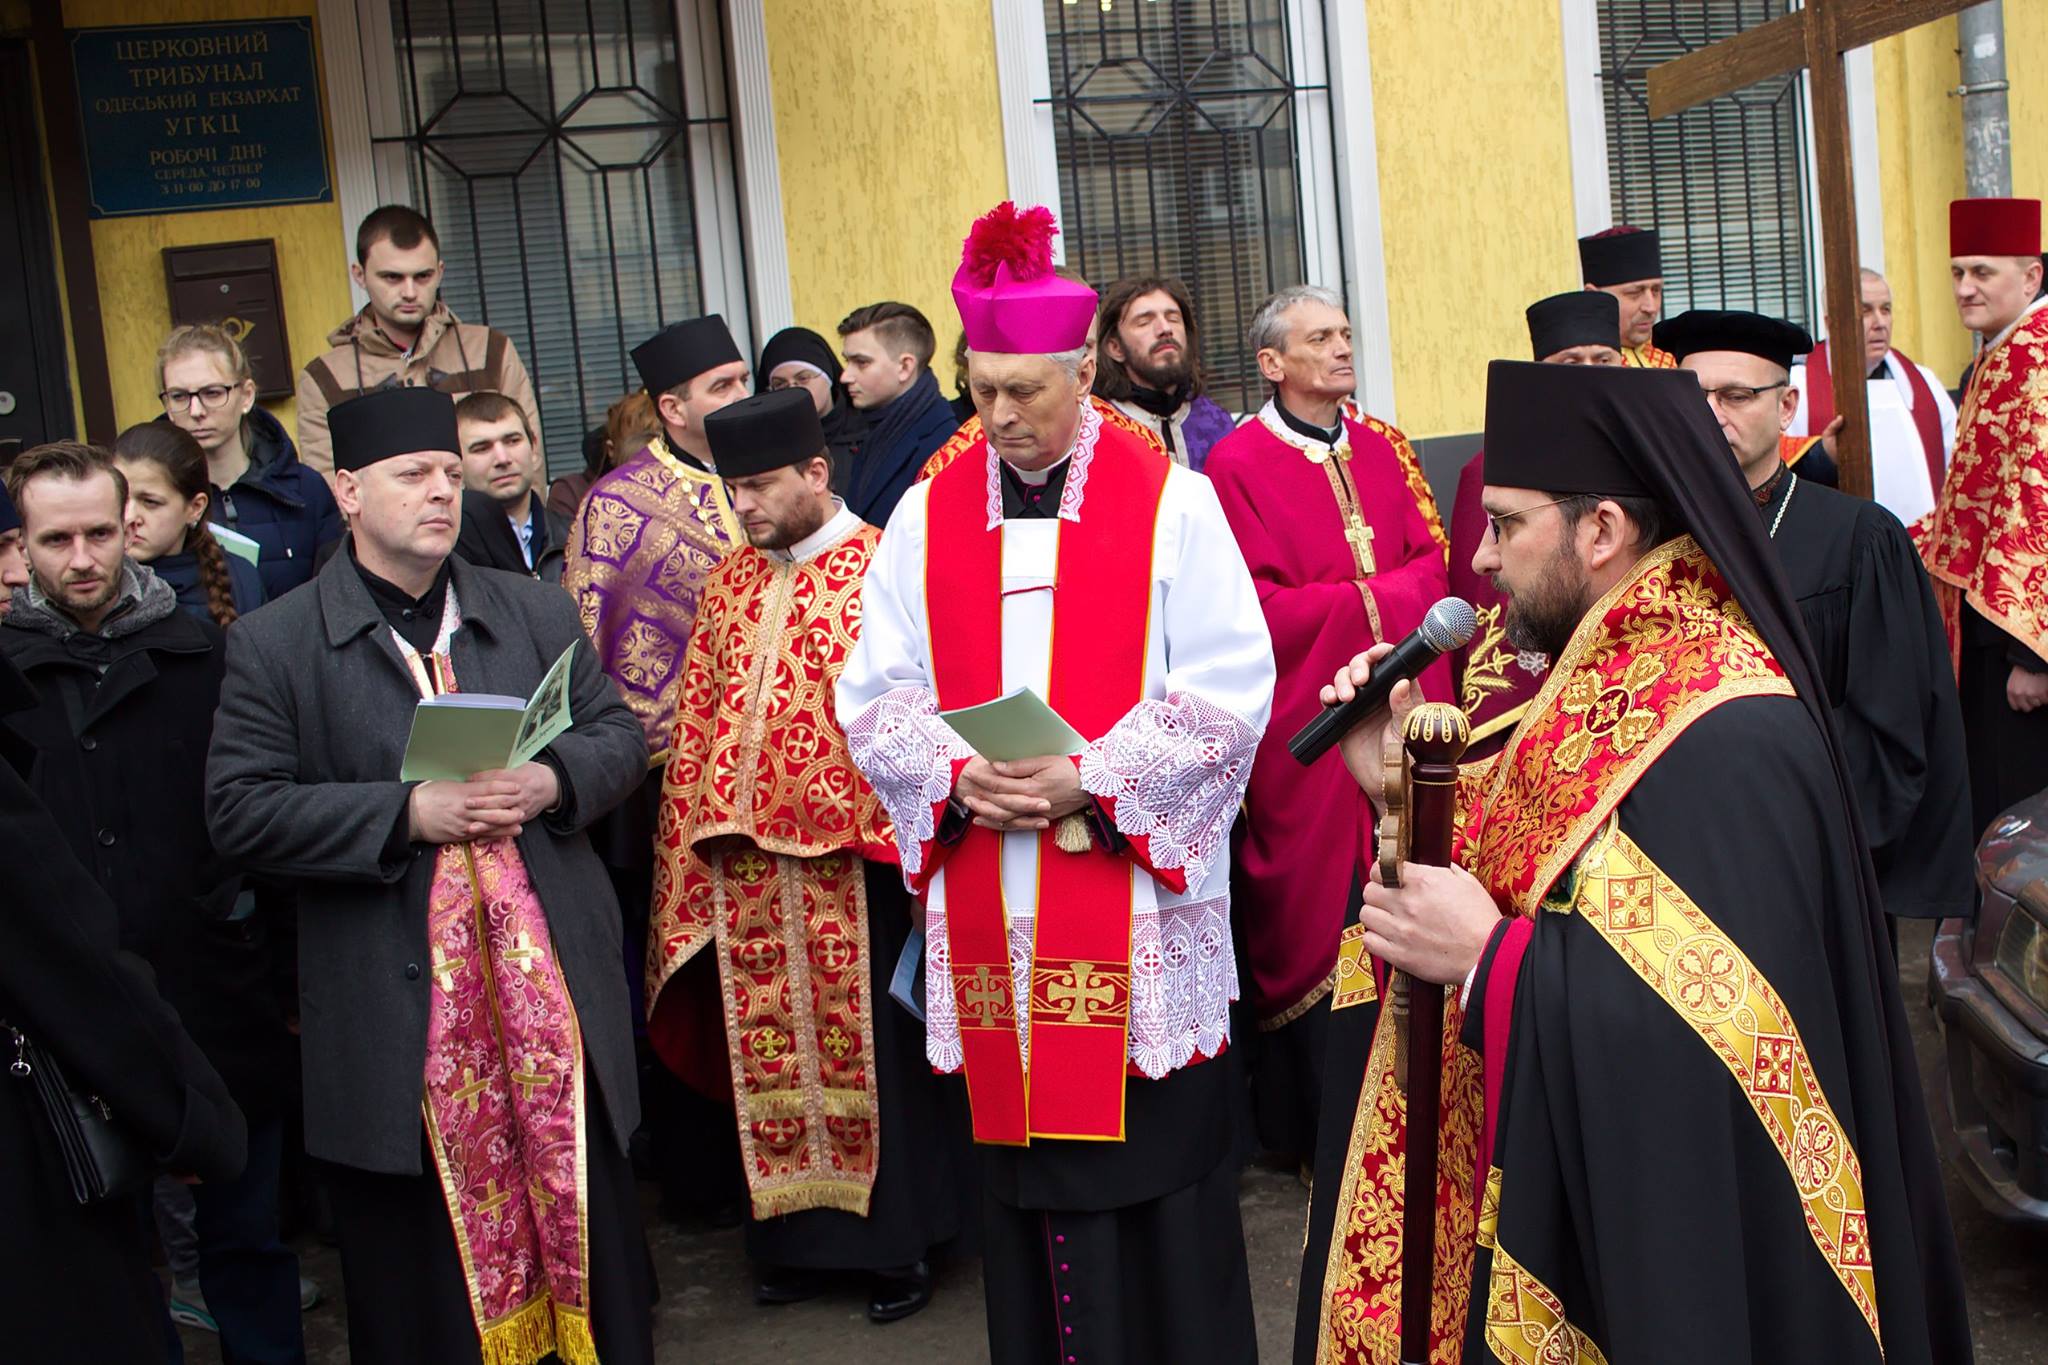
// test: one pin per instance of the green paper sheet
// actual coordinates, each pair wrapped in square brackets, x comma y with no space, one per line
[1013,726]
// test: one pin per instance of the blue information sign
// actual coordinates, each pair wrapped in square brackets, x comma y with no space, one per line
[201,116]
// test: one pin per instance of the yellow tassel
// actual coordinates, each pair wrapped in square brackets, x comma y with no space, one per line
[573,1342]
[522,1337]
[1072,836]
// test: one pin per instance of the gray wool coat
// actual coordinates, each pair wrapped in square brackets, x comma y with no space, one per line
[302,784]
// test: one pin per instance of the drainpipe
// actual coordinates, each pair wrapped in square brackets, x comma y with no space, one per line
[1987,128]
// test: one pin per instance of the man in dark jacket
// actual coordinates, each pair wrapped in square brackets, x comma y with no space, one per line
[126,686]
[75,1282]
[506,523]
[888,375]
[463,1016]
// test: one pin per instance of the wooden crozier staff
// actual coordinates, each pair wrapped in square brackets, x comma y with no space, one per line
[1421,815]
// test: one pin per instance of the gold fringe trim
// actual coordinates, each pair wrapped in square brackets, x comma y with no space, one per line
[847,1198]
[573,1342]
[524,1336]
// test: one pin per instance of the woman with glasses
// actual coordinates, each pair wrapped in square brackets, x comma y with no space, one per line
[260,489]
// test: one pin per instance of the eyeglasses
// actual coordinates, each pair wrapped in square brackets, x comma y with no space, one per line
[1738,396]
[1493,523]
[210,397]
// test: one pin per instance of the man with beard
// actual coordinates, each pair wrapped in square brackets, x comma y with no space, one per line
[1149,363]
[1868,610]
[1341,548]
[1627,263]
[775,854]
[1681,1117]
[1496,679]
[647,537]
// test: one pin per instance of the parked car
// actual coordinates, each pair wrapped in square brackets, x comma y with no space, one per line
[1990,985]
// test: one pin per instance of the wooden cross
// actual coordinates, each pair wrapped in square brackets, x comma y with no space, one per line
[1816,37]
[1078,989]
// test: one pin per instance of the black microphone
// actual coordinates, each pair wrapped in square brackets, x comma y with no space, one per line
[1449,624]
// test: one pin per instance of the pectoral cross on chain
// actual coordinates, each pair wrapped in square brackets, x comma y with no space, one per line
[1360,536]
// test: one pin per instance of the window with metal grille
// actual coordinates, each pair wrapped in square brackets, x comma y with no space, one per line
[567,152]
[1723,182]
[1177,128]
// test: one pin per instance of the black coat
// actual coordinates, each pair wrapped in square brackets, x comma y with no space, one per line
[75,1282]
[488,541]
[303,785]
[119,734]
[281,504]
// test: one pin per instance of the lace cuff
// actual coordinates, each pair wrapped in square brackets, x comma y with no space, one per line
[1174,771]
[909,757]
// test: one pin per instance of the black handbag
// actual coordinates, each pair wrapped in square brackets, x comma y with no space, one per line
[103,1160]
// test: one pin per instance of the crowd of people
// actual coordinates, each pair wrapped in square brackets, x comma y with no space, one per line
[920,870]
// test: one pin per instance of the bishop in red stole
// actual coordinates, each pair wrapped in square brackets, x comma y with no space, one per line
[1340,547]
[1079,961]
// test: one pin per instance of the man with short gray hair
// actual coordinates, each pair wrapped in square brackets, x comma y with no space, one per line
[1077,903]
[1336,527]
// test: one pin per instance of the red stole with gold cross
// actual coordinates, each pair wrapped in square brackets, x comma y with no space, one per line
[1081,953]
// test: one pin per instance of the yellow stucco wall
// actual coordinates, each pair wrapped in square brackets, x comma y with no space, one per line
[1920,155]
[1475,194]
[890,140]
[312,260]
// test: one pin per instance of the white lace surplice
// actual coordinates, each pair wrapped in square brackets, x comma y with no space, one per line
[1176,764]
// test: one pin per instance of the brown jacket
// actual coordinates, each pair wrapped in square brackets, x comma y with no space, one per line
[455,357]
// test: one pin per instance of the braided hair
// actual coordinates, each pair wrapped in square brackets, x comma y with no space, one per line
[184,464]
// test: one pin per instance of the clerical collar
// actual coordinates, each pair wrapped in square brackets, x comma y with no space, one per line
[1764,492]
[1033,493]
[1160,403]
[416,619]
[1329,436]
[842,523]
[1881,370]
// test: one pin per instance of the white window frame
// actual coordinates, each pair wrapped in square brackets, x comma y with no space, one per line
[1592,197]
[737,208]
[1338,170]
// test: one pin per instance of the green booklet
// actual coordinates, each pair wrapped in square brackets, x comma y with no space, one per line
[459,734]
[237,544]
[1013,726]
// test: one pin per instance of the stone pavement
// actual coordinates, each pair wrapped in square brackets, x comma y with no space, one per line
[707,1315]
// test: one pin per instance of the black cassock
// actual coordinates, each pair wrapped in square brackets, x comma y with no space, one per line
[918,1197]
[1129,1253]
[1638,1183]
[1868,607]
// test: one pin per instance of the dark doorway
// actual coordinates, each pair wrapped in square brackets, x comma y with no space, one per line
[35,385]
